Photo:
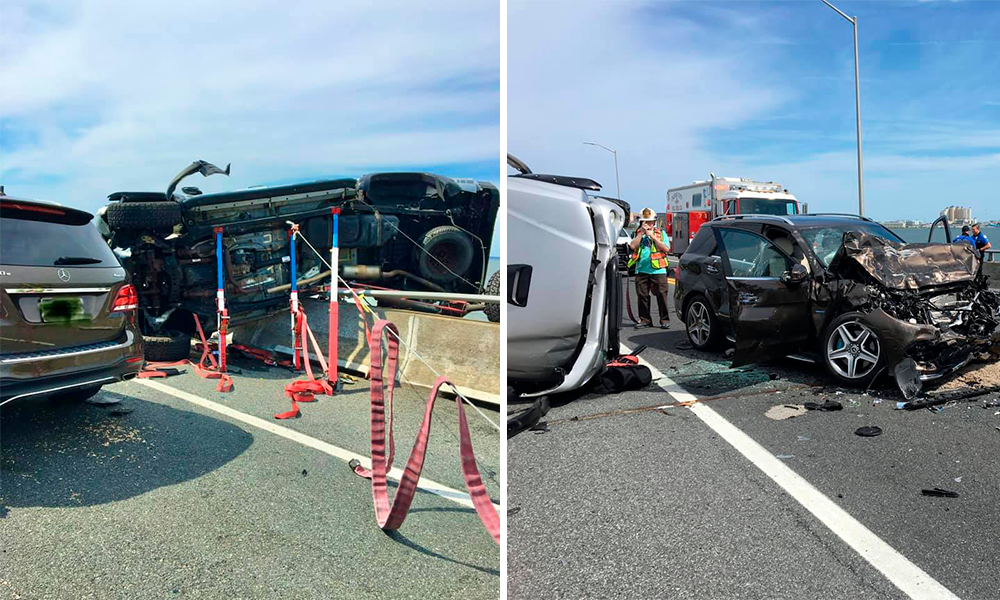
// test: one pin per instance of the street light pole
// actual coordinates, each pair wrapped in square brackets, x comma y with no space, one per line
[615,152]
[857,106]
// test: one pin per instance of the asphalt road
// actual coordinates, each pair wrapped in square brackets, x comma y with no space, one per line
[172,500]
[619,499]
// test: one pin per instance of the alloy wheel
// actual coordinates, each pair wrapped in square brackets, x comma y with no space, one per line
[853,350]
[699,325]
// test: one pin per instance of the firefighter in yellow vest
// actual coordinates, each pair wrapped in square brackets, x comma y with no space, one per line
[649,255]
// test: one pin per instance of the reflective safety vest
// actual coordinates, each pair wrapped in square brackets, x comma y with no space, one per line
[657,259]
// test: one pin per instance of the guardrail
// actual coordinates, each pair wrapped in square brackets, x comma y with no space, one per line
[989,255]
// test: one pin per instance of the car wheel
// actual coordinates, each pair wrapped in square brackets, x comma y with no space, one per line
[169,348]
[702,325]
[158,216]
[445,254]
[493,289]
[851,351]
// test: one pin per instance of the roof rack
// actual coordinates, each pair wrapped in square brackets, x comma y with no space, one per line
[753,216]
[829,214]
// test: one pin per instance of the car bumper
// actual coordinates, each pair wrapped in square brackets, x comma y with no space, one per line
[41,376]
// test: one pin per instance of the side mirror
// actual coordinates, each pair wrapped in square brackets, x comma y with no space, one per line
[797,274]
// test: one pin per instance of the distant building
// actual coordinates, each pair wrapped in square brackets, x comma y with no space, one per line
[959,215]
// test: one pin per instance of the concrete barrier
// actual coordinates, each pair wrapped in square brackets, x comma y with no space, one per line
[465,351]
[992,268]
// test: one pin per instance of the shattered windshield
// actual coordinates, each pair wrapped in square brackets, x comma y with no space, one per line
[825,241]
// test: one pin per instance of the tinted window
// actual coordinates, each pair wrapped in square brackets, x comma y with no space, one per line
[43,244]
[752,206]
[750,255]
[703,243]
[696,200]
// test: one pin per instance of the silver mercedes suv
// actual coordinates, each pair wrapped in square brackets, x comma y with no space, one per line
[563,285]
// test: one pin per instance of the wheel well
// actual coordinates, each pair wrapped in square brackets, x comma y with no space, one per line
[181,320]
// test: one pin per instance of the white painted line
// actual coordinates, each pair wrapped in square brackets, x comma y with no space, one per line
[908,577]
[425,484]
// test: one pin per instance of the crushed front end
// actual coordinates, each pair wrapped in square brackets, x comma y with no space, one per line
[930,305]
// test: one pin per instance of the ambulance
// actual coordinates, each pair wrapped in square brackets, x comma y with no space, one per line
[691,205]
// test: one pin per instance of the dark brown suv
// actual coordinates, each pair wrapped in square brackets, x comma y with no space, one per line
[67,312]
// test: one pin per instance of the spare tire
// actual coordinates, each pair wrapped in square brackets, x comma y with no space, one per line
[174,346]
[143,215]
[493,289]
[445,254]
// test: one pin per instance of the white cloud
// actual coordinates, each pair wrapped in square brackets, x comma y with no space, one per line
[112,98]
[648,87]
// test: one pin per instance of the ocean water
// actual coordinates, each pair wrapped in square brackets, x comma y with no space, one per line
[920,235]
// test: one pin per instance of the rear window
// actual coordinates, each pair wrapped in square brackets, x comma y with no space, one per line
[703,243]
[32,243]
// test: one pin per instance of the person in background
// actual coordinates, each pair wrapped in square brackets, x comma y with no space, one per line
[965,237]
[981,242]
[649,255]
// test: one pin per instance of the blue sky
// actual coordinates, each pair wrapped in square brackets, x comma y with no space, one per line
[97,100]
[764,90]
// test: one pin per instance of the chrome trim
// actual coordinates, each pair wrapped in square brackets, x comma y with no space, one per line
[129,339]
[56,290]
[62,387]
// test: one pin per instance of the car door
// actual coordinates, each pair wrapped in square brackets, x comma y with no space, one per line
[769,316]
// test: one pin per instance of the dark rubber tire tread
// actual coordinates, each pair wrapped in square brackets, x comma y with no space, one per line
[169,348]
[493,289]
[143,215]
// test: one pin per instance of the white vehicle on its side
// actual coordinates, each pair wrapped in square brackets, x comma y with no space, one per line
[691,205]
[563,286]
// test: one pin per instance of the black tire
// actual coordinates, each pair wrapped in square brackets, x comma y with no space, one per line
[158,216]
[836,367]
[705,316]
[78,395]
[168,348]
[493,289]
[448,245]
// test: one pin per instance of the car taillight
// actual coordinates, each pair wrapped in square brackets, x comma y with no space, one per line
[127,299]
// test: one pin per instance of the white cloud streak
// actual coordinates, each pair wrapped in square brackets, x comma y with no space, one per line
[118,98]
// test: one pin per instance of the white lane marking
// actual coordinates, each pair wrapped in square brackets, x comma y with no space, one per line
[290,434]
[908,577]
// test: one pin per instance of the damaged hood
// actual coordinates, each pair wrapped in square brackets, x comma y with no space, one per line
[907,266]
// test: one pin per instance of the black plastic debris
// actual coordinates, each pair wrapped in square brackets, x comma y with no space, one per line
[529,418]
[540,427]
[868,431]
[304,472]
[939,493]
[829,405]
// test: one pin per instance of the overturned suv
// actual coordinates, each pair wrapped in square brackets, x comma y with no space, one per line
[408,231]
[843,287]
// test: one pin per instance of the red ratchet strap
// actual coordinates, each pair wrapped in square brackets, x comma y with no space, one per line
[211,370]
[390,517]
[152,369]
[306,390]
[629,360]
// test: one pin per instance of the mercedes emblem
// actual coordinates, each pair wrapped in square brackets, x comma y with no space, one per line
[63,274]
